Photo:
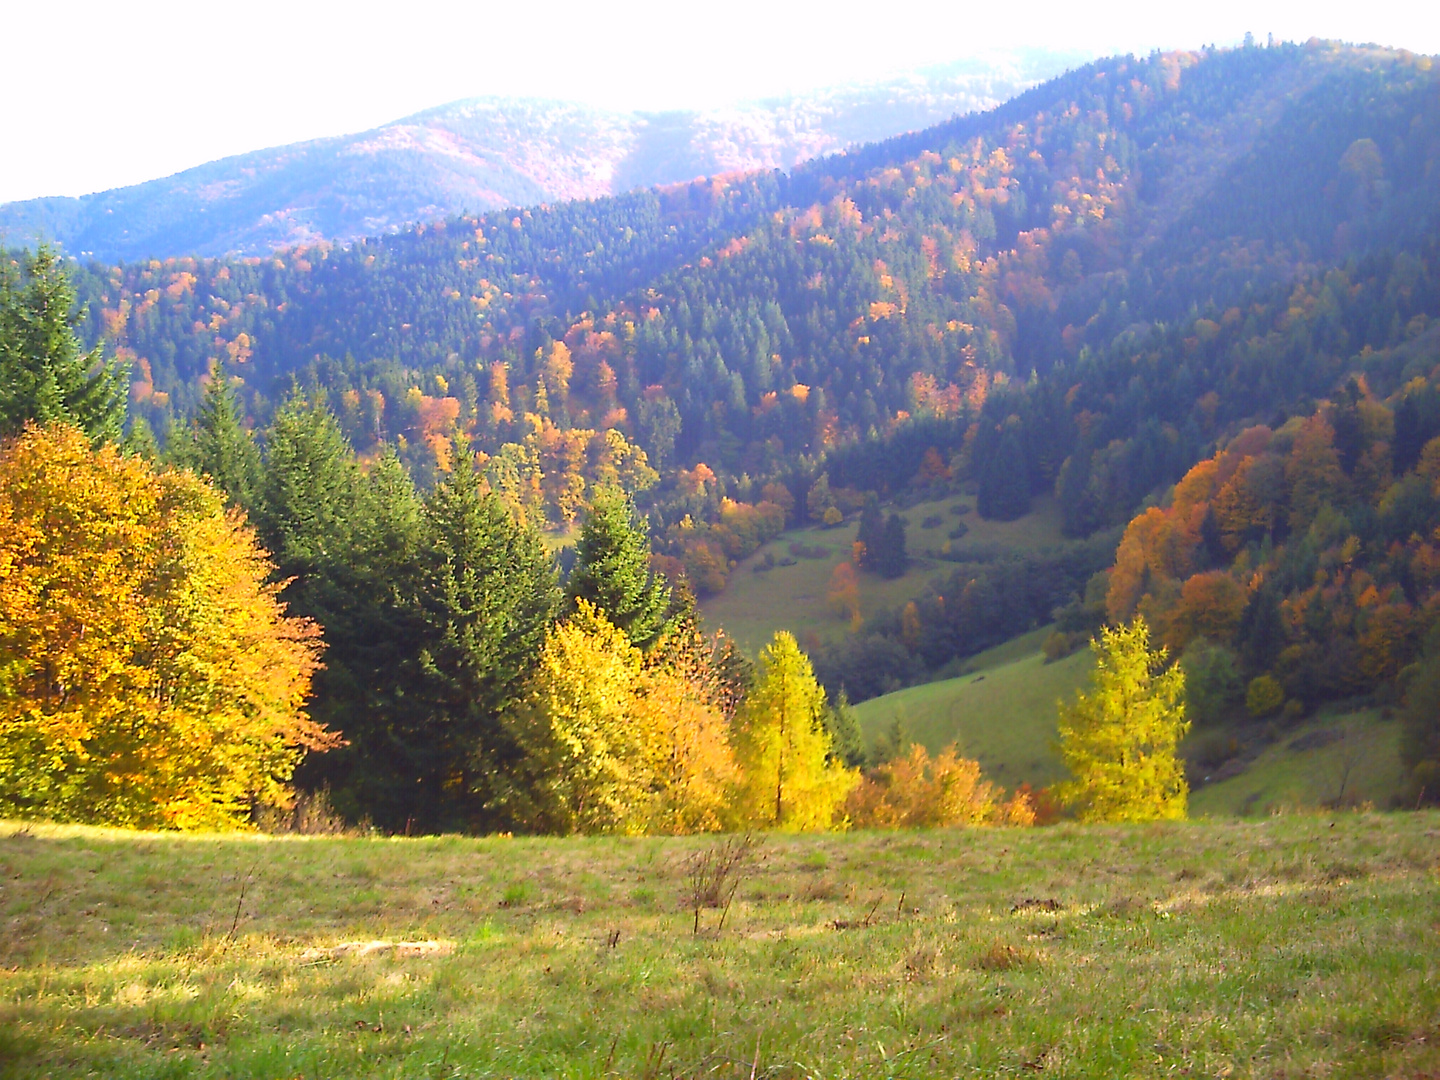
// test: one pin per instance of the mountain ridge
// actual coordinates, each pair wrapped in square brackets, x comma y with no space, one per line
[489,153]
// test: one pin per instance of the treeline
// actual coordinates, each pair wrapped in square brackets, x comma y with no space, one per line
[160,651]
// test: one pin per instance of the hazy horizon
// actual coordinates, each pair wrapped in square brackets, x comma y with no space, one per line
[144,97]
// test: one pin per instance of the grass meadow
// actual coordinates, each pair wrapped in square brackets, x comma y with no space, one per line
[1292,946]
[755,605]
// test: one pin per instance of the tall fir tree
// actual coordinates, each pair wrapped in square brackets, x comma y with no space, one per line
[1004,482]
[217,444]
[487,596]
[44,375]
[612,570]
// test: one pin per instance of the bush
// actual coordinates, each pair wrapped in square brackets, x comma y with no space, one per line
[1263,697]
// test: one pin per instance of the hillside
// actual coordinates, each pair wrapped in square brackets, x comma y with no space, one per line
[491,153]
[1003,712]
[744,322]
[1296,945]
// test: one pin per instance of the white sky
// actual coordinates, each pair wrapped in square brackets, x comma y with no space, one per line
[98,95]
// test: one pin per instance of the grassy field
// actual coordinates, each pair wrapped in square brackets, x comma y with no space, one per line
[1295,946]
[1335,757]
[755,605]
[1002,713]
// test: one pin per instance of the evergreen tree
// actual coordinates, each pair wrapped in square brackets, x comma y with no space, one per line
[891,559]
[1119,740]
[372,634]
[309,505]
[44,376]
[612,570]
[487,596]
[1004,490]
[791,778]
[870,534]
[218,446]
[1420,725]
[843,726]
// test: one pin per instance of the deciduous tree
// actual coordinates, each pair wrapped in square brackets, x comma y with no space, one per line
[1119,741]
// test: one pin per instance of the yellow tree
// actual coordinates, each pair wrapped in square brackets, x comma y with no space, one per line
[148,675]
[1119,741]
[590,766]
[790,781]
[615,744]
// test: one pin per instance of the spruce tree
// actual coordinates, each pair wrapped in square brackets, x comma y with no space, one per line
[612,570]
[44,376]
[218,446]
[1004,489]
[891,559]
[871,534]
[487,596]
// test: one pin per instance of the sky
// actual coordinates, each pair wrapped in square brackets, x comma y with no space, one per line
[101,95]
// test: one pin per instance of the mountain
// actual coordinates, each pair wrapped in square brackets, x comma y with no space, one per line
[490,153]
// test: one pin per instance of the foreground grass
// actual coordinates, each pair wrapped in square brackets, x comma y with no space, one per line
[1296,946]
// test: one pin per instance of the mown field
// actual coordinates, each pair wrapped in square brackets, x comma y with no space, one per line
[1294,946]
[756,604]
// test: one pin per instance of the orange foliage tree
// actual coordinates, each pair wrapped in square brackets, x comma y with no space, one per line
[149,677]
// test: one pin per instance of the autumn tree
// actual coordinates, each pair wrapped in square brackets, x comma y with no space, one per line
[1119,741]
[149,676]
[613,743]
[44,375]
[790,779]
[914,790]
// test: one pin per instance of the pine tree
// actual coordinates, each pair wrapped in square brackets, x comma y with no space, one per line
[44,376]
[612,570]
[1119,741]
[784,751]
[218,446]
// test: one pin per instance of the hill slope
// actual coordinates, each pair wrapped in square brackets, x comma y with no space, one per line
[489,153]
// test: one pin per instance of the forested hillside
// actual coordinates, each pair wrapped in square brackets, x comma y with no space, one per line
[490,153]
[1104,273]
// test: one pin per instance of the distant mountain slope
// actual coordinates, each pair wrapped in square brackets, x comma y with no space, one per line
[489,153]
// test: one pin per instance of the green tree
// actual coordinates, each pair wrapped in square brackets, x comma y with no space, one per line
[612,570]
[487,596]
[218,446]
[1119,740]
[44,375]
[1004,481]
[791,779]
[1420,725]
[372,632]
